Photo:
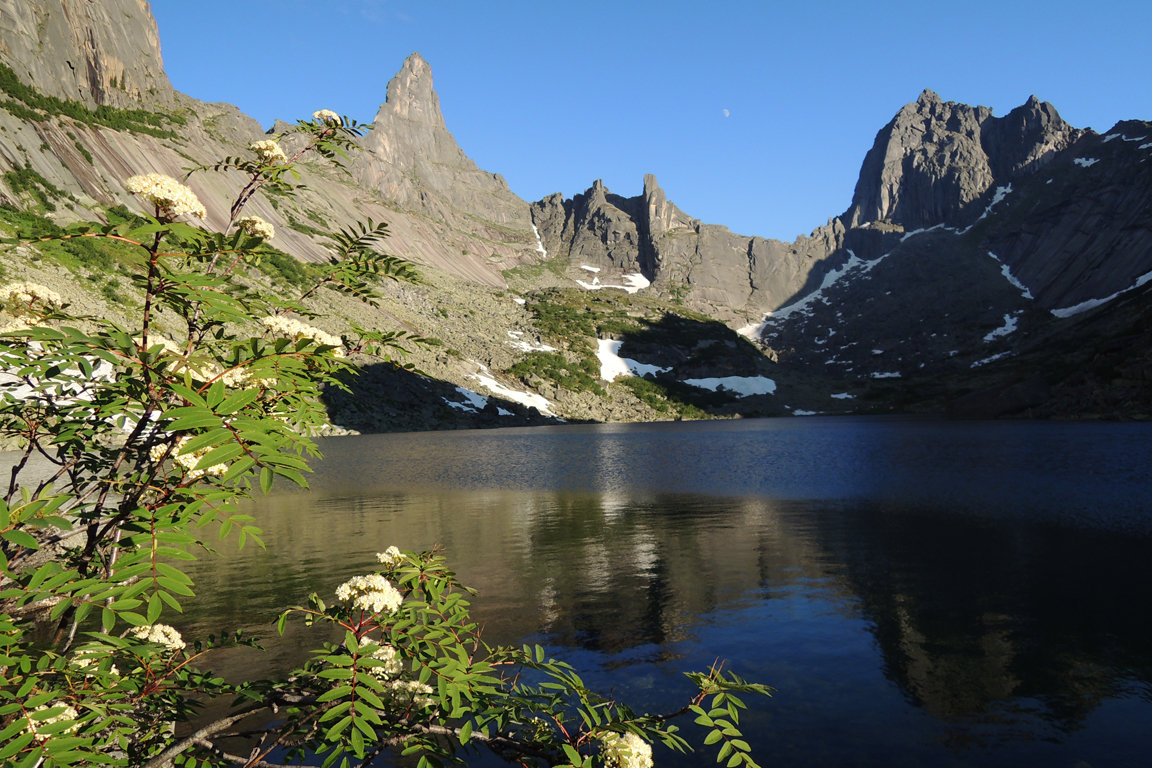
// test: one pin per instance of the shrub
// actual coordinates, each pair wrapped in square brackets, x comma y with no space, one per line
[155,440]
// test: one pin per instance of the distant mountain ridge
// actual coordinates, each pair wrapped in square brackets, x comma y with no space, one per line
[971,240]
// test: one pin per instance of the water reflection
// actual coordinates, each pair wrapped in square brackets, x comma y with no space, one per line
[904,617]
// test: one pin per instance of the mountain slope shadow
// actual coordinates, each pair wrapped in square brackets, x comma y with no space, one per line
[731,376]
[387,398]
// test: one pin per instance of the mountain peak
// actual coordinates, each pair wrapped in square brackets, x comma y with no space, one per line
[928,96]
[411,95]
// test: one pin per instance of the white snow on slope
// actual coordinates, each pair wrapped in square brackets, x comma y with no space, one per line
[613,366]
[987,360]
[1011,278]
[853,264]
[914,232]
[1086,162]
[530,399]
[472,401]
[1084,306]
[741,386]
[632,282]
[1008,327]
[999,195]
[540,249]
[527,346]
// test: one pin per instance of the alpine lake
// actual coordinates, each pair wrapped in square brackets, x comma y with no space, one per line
[918,592]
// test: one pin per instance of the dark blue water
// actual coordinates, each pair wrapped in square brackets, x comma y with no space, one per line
[918,592]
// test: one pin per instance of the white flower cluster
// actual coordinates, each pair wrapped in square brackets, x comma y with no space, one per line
[26,293]
[296,330]
[370,593]
[66,713]
[188,461]
[392,666]
[625,750]
[420,694]
[390,556]
[268,152]
[171,198]
[326,116]
[88,662]
[257,227]
[161,634]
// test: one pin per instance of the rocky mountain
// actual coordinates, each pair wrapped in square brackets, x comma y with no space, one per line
[105,53]
[986,265]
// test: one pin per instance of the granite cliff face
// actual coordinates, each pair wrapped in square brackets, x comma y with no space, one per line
[410,159]
[705,265]
[936,159]
[105,52]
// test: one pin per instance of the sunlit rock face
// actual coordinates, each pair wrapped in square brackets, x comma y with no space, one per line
[411,158]
[106,52]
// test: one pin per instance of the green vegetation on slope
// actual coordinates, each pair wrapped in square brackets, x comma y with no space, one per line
[29,104]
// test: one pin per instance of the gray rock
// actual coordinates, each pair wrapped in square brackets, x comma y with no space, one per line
[936,159]
[96,53]
[410,158]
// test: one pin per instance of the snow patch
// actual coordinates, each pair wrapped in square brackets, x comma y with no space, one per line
[540,249]
[1011,278]
[1145,146]
[741,386]
[473,401]
[613,366]
[519,300]
[843,396]
[915,232]
[987,360]
[854,263]
[1109,137]
[632,282]
[887,375]
[999,195]
[590,269]
[527,346]
[1084,306]
[1008,327]
[530,399]
[1086,162]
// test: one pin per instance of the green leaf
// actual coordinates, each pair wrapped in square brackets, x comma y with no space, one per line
[235,402]
[155,607]
[20,538]
[220,455]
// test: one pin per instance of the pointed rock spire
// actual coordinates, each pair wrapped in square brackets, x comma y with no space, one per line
[411,95]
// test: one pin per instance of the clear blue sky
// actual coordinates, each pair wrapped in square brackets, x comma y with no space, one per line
[755,115]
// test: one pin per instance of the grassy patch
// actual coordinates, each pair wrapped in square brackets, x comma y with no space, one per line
[286,269]
[28,103]
[581,375]
[663,399]
[25,180]
[78,254]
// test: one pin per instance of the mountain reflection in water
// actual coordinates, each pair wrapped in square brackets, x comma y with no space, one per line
[919,593]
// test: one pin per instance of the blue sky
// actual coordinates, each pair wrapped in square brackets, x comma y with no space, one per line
[755,115]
